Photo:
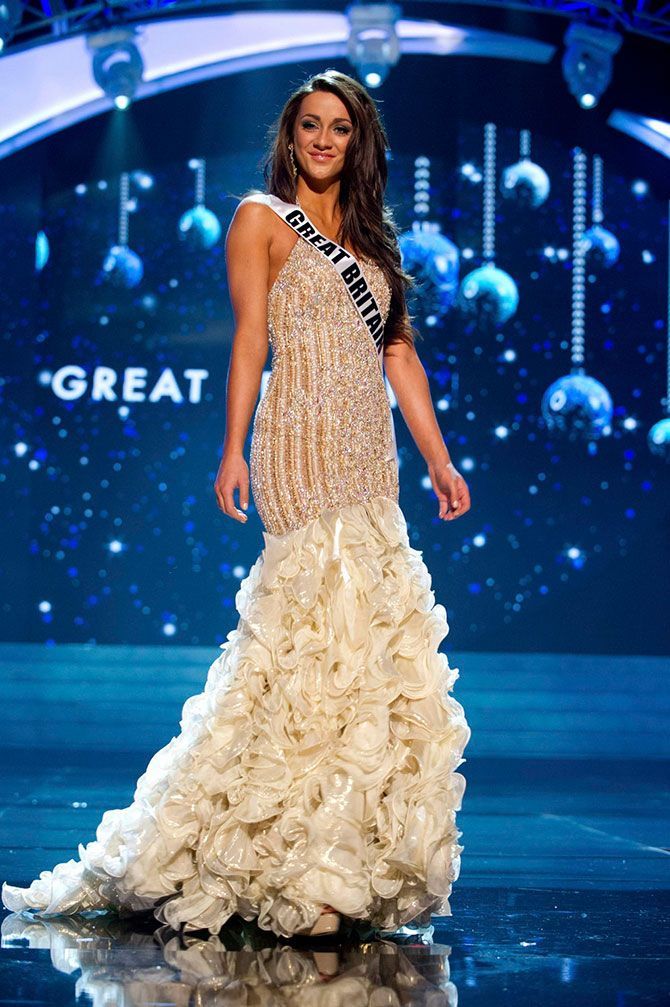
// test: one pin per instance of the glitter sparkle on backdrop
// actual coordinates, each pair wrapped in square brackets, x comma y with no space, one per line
[113,411]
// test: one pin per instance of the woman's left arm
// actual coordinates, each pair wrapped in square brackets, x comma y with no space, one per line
[409,382]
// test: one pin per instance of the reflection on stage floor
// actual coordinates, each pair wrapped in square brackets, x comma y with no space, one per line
[521,947]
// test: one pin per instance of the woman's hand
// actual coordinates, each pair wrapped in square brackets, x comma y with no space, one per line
[451,490]
[233,474]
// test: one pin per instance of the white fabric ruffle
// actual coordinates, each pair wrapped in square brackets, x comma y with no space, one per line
[317,766]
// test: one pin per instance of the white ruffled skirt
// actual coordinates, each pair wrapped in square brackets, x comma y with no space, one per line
[318,766]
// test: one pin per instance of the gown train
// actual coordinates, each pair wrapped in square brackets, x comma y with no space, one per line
[318,765]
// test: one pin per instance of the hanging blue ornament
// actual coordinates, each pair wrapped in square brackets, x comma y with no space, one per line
[41,251]
[658,438]
[526,183]
[489,293]
[199,228]
[122,267]
[579,406]
[433,260]
[601,246]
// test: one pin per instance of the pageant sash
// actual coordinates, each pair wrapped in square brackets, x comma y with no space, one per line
[344,262]
[349,269]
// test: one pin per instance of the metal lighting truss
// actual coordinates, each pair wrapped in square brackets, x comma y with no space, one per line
[51,20]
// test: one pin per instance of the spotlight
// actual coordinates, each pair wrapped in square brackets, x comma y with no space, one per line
[10,16]
[654,132]
[117,64]
[587,61]
[372,46]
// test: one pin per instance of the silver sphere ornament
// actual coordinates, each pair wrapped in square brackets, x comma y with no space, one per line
[601,246]
[41,251]
[579,406]
[433,260]
[490,294]
[658,438]
[526,183]
[122,267]
[199,228]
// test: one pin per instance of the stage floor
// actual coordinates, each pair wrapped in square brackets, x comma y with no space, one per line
[564,893]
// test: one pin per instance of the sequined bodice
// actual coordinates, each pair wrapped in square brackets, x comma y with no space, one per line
[323,430]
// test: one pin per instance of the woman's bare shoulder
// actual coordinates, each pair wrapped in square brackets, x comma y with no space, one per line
[255,196]
[253,215]
[253,220]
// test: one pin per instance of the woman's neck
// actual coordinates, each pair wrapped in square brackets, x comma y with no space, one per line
[324,207]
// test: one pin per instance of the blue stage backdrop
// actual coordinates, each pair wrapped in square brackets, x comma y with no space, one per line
[116,333]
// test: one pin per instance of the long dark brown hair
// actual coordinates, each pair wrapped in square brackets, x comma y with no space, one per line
[368,224]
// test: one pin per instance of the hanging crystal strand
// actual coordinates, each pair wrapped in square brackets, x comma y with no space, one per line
[597,214]
[577,404]
[489,214]
[124,191]
[422,210]
[199,226]
[489,293]
[578,260]
[524,144]
[421,187]
[200,183]
[421,223]
[602,246]
[121,266]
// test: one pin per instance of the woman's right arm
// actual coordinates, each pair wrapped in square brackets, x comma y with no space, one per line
[248,268]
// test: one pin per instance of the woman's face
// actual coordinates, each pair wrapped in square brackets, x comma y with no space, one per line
[322,131]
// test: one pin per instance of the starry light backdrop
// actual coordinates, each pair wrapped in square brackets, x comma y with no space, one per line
[116,331]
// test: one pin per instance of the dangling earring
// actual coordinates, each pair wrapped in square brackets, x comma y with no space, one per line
[293,164]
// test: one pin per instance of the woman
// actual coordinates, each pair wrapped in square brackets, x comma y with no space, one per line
[315,775]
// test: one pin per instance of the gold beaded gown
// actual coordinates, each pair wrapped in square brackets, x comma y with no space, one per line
[319,763]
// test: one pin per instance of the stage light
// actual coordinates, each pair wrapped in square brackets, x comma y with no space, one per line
[10,16]
[372,45]
[655,133]
[117,64]
[587,61]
